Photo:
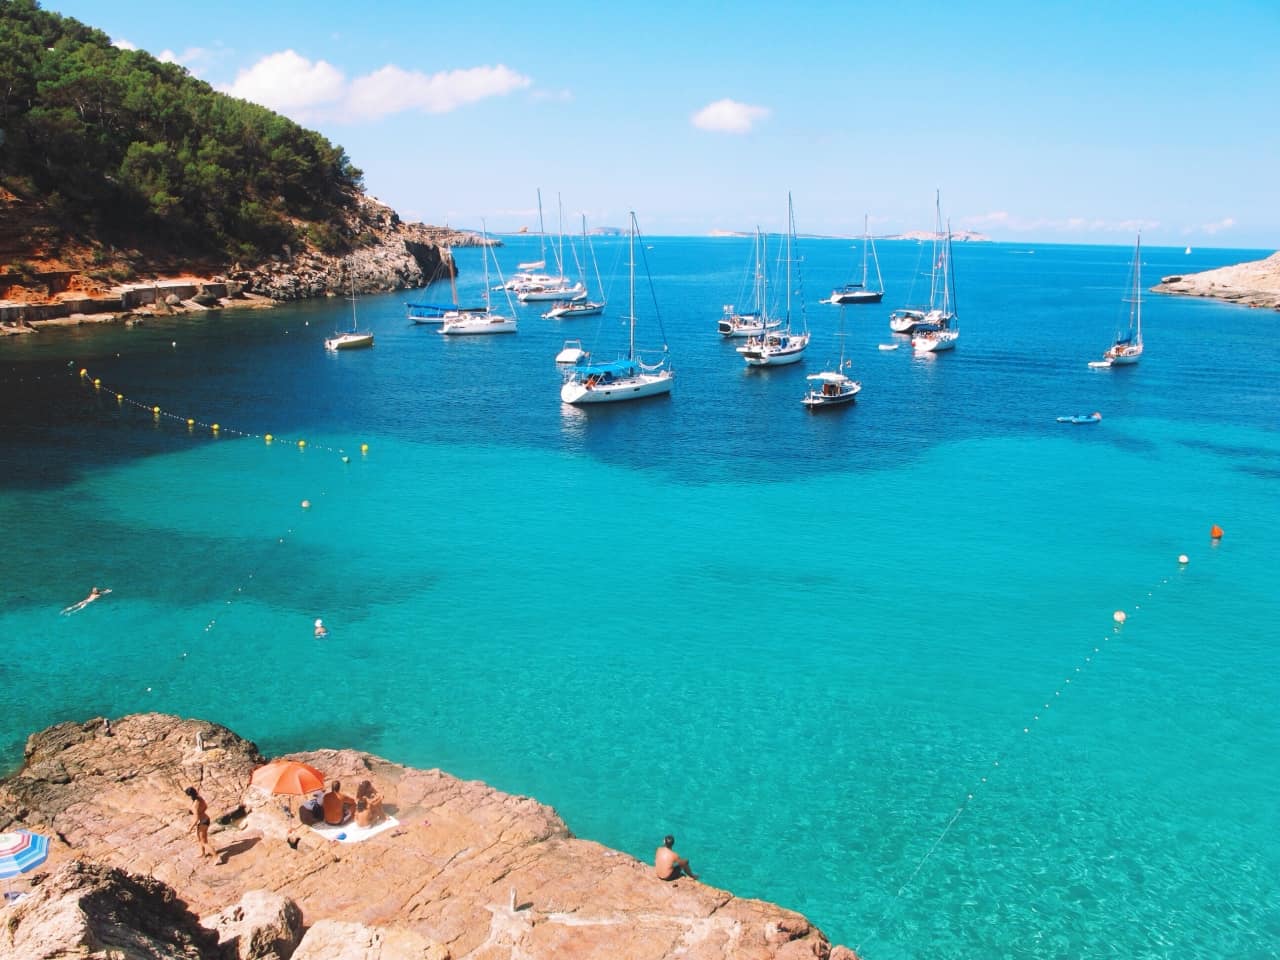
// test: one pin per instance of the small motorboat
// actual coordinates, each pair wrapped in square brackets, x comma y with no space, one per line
[890,346]
[1082,418]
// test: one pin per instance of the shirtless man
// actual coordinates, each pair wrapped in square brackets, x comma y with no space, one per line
[668,864]
[94,594]
[335,803]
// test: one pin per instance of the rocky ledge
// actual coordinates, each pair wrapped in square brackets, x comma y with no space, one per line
[468,873]
[1254,284]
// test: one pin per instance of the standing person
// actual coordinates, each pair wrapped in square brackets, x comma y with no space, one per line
[668,864]
[200,823]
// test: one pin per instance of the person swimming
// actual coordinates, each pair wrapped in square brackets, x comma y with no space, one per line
[321,632]
[94,594]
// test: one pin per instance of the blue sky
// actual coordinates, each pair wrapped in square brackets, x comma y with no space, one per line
[1038,121]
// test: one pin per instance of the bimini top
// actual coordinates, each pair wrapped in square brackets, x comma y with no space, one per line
[608,371]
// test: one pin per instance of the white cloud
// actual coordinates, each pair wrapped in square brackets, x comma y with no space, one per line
[289,83]
[308,90]
[728,116]
[392,90]
[123,44]
[1226,223]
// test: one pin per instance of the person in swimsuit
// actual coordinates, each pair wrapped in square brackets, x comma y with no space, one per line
[320,631]
[668,864]
[94,594]
[200,823]
[335,804]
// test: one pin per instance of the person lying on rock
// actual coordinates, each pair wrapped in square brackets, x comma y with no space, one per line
[335,804]
[668,864]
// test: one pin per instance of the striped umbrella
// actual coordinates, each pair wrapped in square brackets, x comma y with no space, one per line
[20,851]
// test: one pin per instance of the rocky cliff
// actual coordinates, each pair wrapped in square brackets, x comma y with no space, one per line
[466,873]
[1253,284]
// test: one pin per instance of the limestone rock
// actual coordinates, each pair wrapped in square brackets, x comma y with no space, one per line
[262,926]
[1254,284]
[337,940]
[487,875]
[91,911]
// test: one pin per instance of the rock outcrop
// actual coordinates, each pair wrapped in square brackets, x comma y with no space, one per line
[1253,284]
[466,873]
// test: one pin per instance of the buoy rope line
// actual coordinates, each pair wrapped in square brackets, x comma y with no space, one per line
[215,429]
[1119,619]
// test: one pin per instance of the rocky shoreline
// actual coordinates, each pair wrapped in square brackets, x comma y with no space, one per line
[394,256]
[1253,284]
[466,873]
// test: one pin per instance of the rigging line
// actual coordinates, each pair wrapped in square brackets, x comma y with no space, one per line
[653,294]
[1120,619]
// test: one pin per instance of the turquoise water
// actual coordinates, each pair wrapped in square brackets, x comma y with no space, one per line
[808,645]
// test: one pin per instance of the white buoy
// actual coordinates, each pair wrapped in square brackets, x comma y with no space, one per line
[1183,558]
[306,504]
[1119,616]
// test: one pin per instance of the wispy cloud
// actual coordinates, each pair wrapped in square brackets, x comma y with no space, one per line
[123,44]
[1226,223]
[729,116]
[195,59]
[1012,223]
[308,90]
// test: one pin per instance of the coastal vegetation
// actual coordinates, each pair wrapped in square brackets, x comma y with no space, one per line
[112,150]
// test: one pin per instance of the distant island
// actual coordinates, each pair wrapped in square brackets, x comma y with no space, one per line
[967,236]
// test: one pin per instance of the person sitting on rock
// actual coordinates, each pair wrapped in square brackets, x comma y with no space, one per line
[668,864]
[373,799]
[335,804]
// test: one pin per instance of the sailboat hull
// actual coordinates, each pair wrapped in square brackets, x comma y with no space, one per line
[578,393]
[841,297]
[479,325]
[349,341]
[935,342]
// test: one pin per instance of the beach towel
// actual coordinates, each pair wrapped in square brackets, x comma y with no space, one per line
[350,833]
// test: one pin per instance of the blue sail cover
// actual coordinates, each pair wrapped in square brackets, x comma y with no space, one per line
[608,371]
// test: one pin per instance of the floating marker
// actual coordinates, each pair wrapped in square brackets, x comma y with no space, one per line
[301,444]
[190,422]
[306,504]
[1215,532]
[215,428]
[97,384]
[364,448]
[268,438]
[1183,559]
[1119,616]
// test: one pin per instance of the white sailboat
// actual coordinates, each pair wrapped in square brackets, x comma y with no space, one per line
[832,388]
[353,339]
[1127,348]
[940,328]
[785,346]
[581,306]
[625,379]
[478,322]
[437,313]
[757,321]
[557,285]
[859,292]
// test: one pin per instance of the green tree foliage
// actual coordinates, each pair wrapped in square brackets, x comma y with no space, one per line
[124,138]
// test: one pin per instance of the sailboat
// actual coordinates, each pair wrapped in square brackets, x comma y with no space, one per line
[479,321]
[555,287]
[832,387]
[580,306]
[436,313]
[774,349]
[626,379]
[860,292]
[939,329]
[355,338]
[757,321]
[1127,348]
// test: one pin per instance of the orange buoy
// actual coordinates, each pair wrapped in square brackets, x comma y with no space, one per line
[1215,532]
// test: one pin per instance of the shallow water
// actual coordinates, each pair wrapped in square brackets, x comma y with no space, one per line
[802,643]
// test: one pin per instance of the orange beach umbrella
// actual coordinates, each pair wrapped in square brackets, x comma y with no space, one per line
[288,776]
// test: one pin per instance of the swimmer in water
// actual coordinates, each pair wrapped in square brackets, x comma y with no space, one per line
[94,594]
[321,632]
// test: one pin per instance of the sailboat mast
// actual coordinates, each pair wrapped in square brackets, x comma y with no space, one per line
[631,345]
[865,236]
[1137,287]
[560,246]
[351,275]
[791,227]
[542,232]
[484,236]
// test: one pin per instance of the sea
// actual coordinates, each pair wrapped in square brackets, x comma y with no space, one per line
[865,662]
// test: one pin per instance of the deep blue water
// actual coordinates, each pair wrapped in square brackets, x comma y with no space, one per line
[799,642]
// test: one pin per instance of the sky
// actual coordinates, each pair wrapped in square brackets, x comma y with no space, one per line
[1038,121]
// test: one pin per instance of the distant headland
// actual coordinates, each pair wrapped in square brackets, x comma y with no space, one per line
[1253,284]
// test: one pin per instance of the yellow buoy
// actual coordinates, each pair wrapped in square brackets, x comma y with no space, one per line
[268,438]
[216,428]
[156,411]
[190,422]
[97,384]
[120,397]
[301,444]
[364,448]
[84,372]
